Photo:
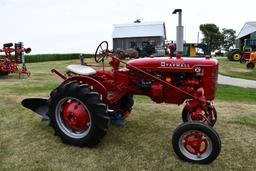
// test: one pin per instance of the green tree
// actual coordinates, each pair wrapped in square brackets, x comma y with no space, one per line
[228,38]
[212,36]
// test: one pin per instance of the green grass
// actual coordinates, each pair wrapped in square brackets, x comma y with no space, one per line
[27,143]
[236,69]
[236,94]
[249,120]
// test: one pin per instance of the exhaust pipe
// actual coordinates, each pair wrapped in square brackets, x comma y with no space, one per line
[179,33]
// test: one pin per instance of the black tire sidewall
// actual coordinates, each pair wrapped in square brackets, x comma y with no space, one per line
[185,113]
[90,139]
[197,126]
[250,65]
[53,110]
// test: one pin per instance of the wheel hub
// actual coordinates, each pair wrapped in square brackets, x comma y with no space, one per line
[195,144]
[197,116]
[205,114]
[237,56]
[75,116]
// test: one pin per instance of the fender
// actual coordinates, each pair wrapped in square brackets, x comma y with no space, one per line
[41,106]
[97,86]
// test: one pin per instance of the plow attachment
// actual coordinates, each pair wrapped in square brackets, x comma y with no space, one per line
[37,105]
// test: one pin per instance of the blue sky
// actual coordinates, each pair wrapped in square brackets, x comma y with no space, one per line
[64,26]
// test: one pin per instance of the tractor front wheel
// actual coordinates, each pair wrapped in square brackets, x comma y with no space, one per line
[196,142]
[77,114]
[208,115]
[250,65]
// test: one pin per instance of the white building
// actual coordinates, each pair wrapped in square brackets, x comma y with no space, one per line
[135,35]
[247,32]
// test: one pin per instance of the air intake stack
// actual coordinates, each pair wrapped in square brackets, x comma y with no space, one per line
[179,33]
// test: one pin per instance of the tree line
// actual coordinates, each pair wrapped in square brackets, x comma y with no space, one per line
[216,39]
[213,37]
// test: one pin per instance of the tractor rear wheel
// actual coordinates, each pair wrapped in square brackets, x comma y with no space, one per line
[229,55]
[77,114]
[196,142]
[250,65]
[208,116]
[236,55]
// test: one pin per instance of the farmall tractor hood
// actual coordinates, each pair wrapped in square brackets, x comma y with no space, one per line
[167,63]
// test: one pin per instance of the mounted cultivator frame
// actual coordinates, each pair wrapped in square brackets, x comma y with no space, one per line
[9,63]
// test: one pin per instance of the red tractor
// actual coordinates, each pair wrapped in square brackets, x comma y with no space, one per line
[82,107]
[9,64]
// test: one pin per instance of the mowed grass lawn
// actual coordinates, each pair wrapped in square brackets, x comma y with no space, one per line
[27,143]
[236,69]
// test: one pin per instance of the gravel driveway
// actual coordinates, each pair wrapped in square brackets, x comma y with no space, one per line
[236,82]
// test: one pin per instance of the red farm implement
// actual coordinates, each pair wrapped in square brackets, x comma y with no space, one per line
[82,107]
[9,63]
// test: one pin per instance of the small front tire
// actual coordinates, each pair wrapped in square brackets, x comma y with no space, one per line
[250,65]
[196,142]
[208,116]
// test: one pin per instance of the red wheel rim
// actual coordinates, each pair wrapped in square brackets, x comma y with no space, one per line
[73,117]
[195,145]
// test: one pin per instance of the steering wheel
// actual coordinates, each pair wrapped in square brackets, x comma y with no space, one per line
[101,52]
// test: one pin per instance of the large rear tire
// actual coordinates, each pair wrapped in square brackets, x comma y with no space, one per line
[77,114]
[196,142]
[229,55]
[236,55]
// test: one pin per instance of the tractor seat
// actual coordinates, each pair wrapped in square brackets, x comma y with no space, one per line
[8,45]
[81,69]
